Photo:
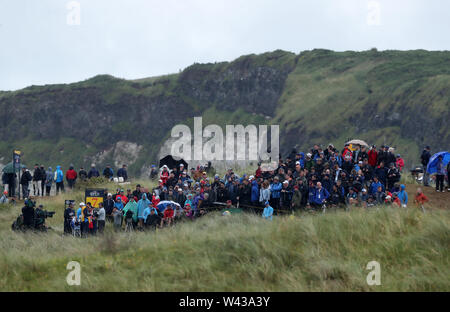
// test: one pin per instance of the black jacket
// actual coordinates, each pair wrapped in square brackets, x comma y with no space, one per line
[122,172]
[425,157]
[109,206]
[28,215]
[37,174]
[25,178]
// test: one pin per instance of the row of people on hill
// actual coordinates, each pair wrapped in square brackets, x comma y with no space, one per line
[40,181]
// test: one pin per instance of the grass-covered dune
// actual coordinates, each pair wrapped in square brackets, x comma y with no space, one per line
[398,98]
[237,253]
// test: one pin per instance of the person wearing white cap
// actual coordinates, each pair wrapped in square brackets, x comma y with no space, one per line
[164,176]
[364,197]
[286,196]
[80,216]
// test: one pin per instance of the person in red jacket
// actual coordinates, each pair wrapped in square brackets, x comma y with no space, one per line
[400,163]
[421,199]
[71,177]
[122,197]
[373,154]
[258,173]
[164,176]
[155,201]
[168,216]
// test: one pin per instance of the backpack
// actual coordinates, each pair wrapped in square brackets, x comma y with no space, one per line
[18,224]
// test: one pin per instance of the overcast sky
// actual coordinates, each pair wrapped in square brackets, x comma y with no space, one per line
[52,41]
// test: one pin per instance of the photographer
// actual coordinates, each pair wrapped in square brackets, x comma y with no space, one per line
[40,216]
[28,214]
[69,213]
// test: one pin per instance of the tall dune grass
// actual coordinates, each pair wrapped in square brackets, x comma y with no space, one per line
[240,253]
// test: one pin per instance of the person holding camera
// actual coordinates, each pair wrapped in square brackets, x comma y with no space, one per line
[39,217]
[28,214]
[69,213]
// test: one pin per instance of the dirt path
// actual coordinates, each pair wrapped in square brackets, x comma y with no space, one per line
[437,199]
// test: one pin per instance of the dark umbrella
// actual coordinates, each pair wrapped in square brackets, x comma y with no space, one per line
[171,162]
[9,168]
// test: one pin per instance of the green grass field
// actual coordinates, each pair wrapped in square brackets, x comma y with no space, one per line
[238,253]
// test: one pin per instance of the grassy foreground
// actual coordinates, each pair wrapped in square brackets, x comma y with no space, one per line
[237,253]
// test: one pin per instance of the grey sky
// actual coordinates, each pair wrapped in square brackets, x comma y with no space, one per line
[143,38]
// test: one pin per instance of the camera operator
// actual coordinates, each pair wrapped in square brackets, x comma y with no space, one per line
[69,213]
[39,218]
[28,214]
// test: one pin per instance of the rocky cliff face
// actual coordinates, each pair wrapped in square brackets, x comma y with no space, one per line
[397,98]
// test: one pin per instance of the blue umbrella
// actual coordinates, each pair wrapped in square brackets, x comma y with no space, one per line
[163,205]
[431,168]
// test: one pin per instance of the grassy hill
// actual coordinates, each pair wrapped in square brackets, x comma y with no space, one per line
[239,253]
[400,98]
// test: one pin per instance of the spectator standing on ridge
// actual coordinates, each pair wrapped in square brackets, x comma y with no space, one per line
[59,180]
[122,172]
[25,182]
[440,174]
[71,177]
[43,178]
[49,178]
[425,159]
[448,177]
[93,173]
[37,180]
[10,179]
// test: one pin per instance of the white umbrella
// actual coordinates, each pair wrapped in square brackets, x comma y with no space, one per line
[358,142]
